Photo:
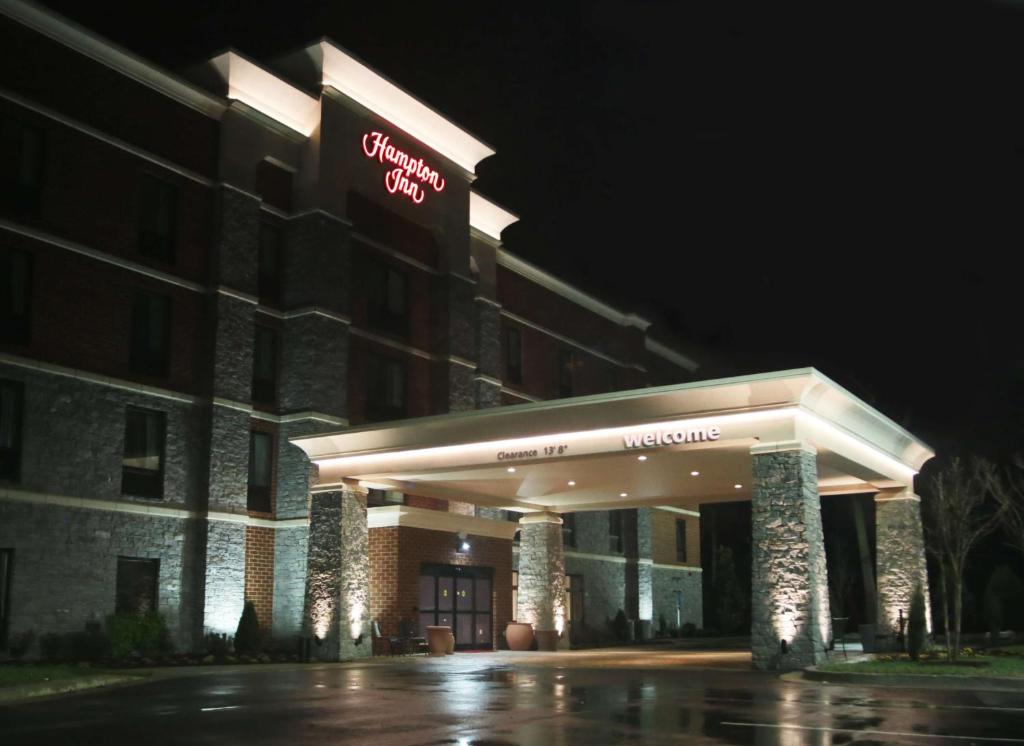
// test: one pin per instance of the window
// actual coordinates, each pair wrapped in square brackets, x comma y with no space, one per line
[385,388]
[261,469]
[569,529]
[15,296]
[151,334]
[615,530]
[680,540]
[268,272]
[6,560]
[158,219]
[613,378]
[513,355]
[142,468]
[264,366]
[137,584]
[388,298]
[379,498]
[22,168]
[11,402]
[566,363]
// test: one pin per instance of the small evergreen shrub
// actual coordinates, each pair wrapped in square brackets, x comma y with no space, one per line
[247,636]
[137,634]
[217,646]
[916,626]
[51,646]
[619,626]
[20,643]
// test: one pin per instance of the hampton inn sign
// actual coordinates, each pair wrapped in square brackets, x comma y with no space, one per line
[409,176]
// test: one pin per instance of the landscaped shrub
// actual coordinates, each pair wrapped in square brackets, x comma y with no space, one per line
[219,646]
[19,643]
[689,630]
[51,646]
[619,626]
[137,634]
[89,644]
[247,636]
[662,626]
[916,626]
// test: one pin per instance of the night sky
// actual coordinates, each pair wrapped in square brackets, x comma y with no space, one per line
[781,185]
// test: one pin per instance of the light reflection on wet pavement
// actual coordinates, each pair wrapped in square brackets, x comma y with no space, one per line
[495,700]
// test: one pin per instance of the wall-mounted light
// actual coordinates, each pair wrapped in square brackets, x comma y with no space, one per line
[462,545]
[511,470]
[641,458]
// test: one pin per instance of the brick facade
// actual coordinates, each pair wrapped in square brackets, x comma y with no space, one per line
[259,572]
[396,555]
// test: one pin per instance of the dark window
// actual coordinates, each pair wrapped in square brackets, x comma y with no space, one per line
[158,219]
[385,389]
[22,168]
[264,366]
[613,378]
[513,355]
[387,298]
[566,363]
[268,274]
[569,529]
[6,560]
[11,404]
[137,584]
[261,469]
[379,498]
[274,185]
[680,540]
[151,334]
[15,296]
[615,530]
[142,468]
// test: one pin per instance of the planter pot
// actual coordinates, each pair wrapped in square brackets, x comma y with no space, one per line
[547,639]
[450,648]
[437,639]
[519,635]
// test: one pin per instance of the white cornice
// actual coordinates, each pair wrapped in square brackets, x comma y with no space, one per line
[488,217]
[101,50]
[343,72]
[661,350]
[437,520]
[544,279]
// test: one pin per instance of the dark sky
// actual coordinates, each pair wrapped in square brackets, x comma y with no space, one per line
[783,185]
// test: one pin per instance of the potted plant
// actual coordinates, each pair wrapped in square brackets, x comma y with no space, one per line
[437,639]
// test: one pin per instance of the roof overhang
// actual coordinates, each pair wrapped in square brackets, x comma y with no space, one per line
[523,457]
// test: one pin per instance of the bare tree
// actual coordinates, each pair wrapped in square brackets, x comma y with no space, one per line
[958,518]
[1008,490]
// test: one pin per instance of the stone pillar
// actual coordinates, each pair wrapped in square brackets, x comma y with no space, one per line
[541,572]
[645,572]
[789,579]
[338,575]
[899,541]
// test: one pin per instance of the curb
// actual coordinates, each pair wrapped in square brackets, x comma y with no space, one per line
[917,681]
[23,692]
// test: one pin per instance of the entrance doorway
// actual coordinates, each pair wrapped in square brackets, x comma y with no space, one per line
[574,608]
[460,598]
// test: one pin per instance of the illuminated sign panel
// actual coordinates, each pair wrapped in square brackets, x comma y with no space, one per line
[405,174]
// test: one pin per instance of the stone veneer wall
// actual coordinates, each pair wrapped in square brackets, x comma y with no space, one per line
[902,564]
[541,572]
[789,580]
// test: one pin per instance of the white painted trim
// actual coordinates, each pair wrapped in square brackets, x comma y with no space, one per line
[456,360]
[682,568]
[355,79]
[566,340]
[519,394]
[247,520]
[86,376]
[545,279]
[284,419]
[674,509]
[275,211]
[356,331]
[394,254]
[437,520]
[231,404]
[101,256]
[296,313]
[488,301]
[661,350]
[783,446]
[897,498]
[108,139]
[541,517]
[487,379]
[84,42]
[613,558]
[489,217]
[237,295]
[322,213]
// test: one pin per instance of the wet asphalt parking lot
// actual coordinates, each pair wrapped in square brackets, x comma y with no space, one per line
[501,699]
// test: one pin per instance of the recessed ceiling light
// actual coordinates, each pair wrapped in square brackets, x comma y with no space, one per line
[623,494]
[641,458]
[511,470]
[738,486]
[572,482]
[695,473]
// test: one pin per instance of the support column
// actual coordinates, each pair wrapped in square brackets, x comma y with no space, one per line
[899,553]
[338,575]
[791,624]
[541,572]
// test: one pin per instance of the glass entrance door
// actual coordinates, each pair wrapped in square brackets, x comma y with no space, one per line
[460,598]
